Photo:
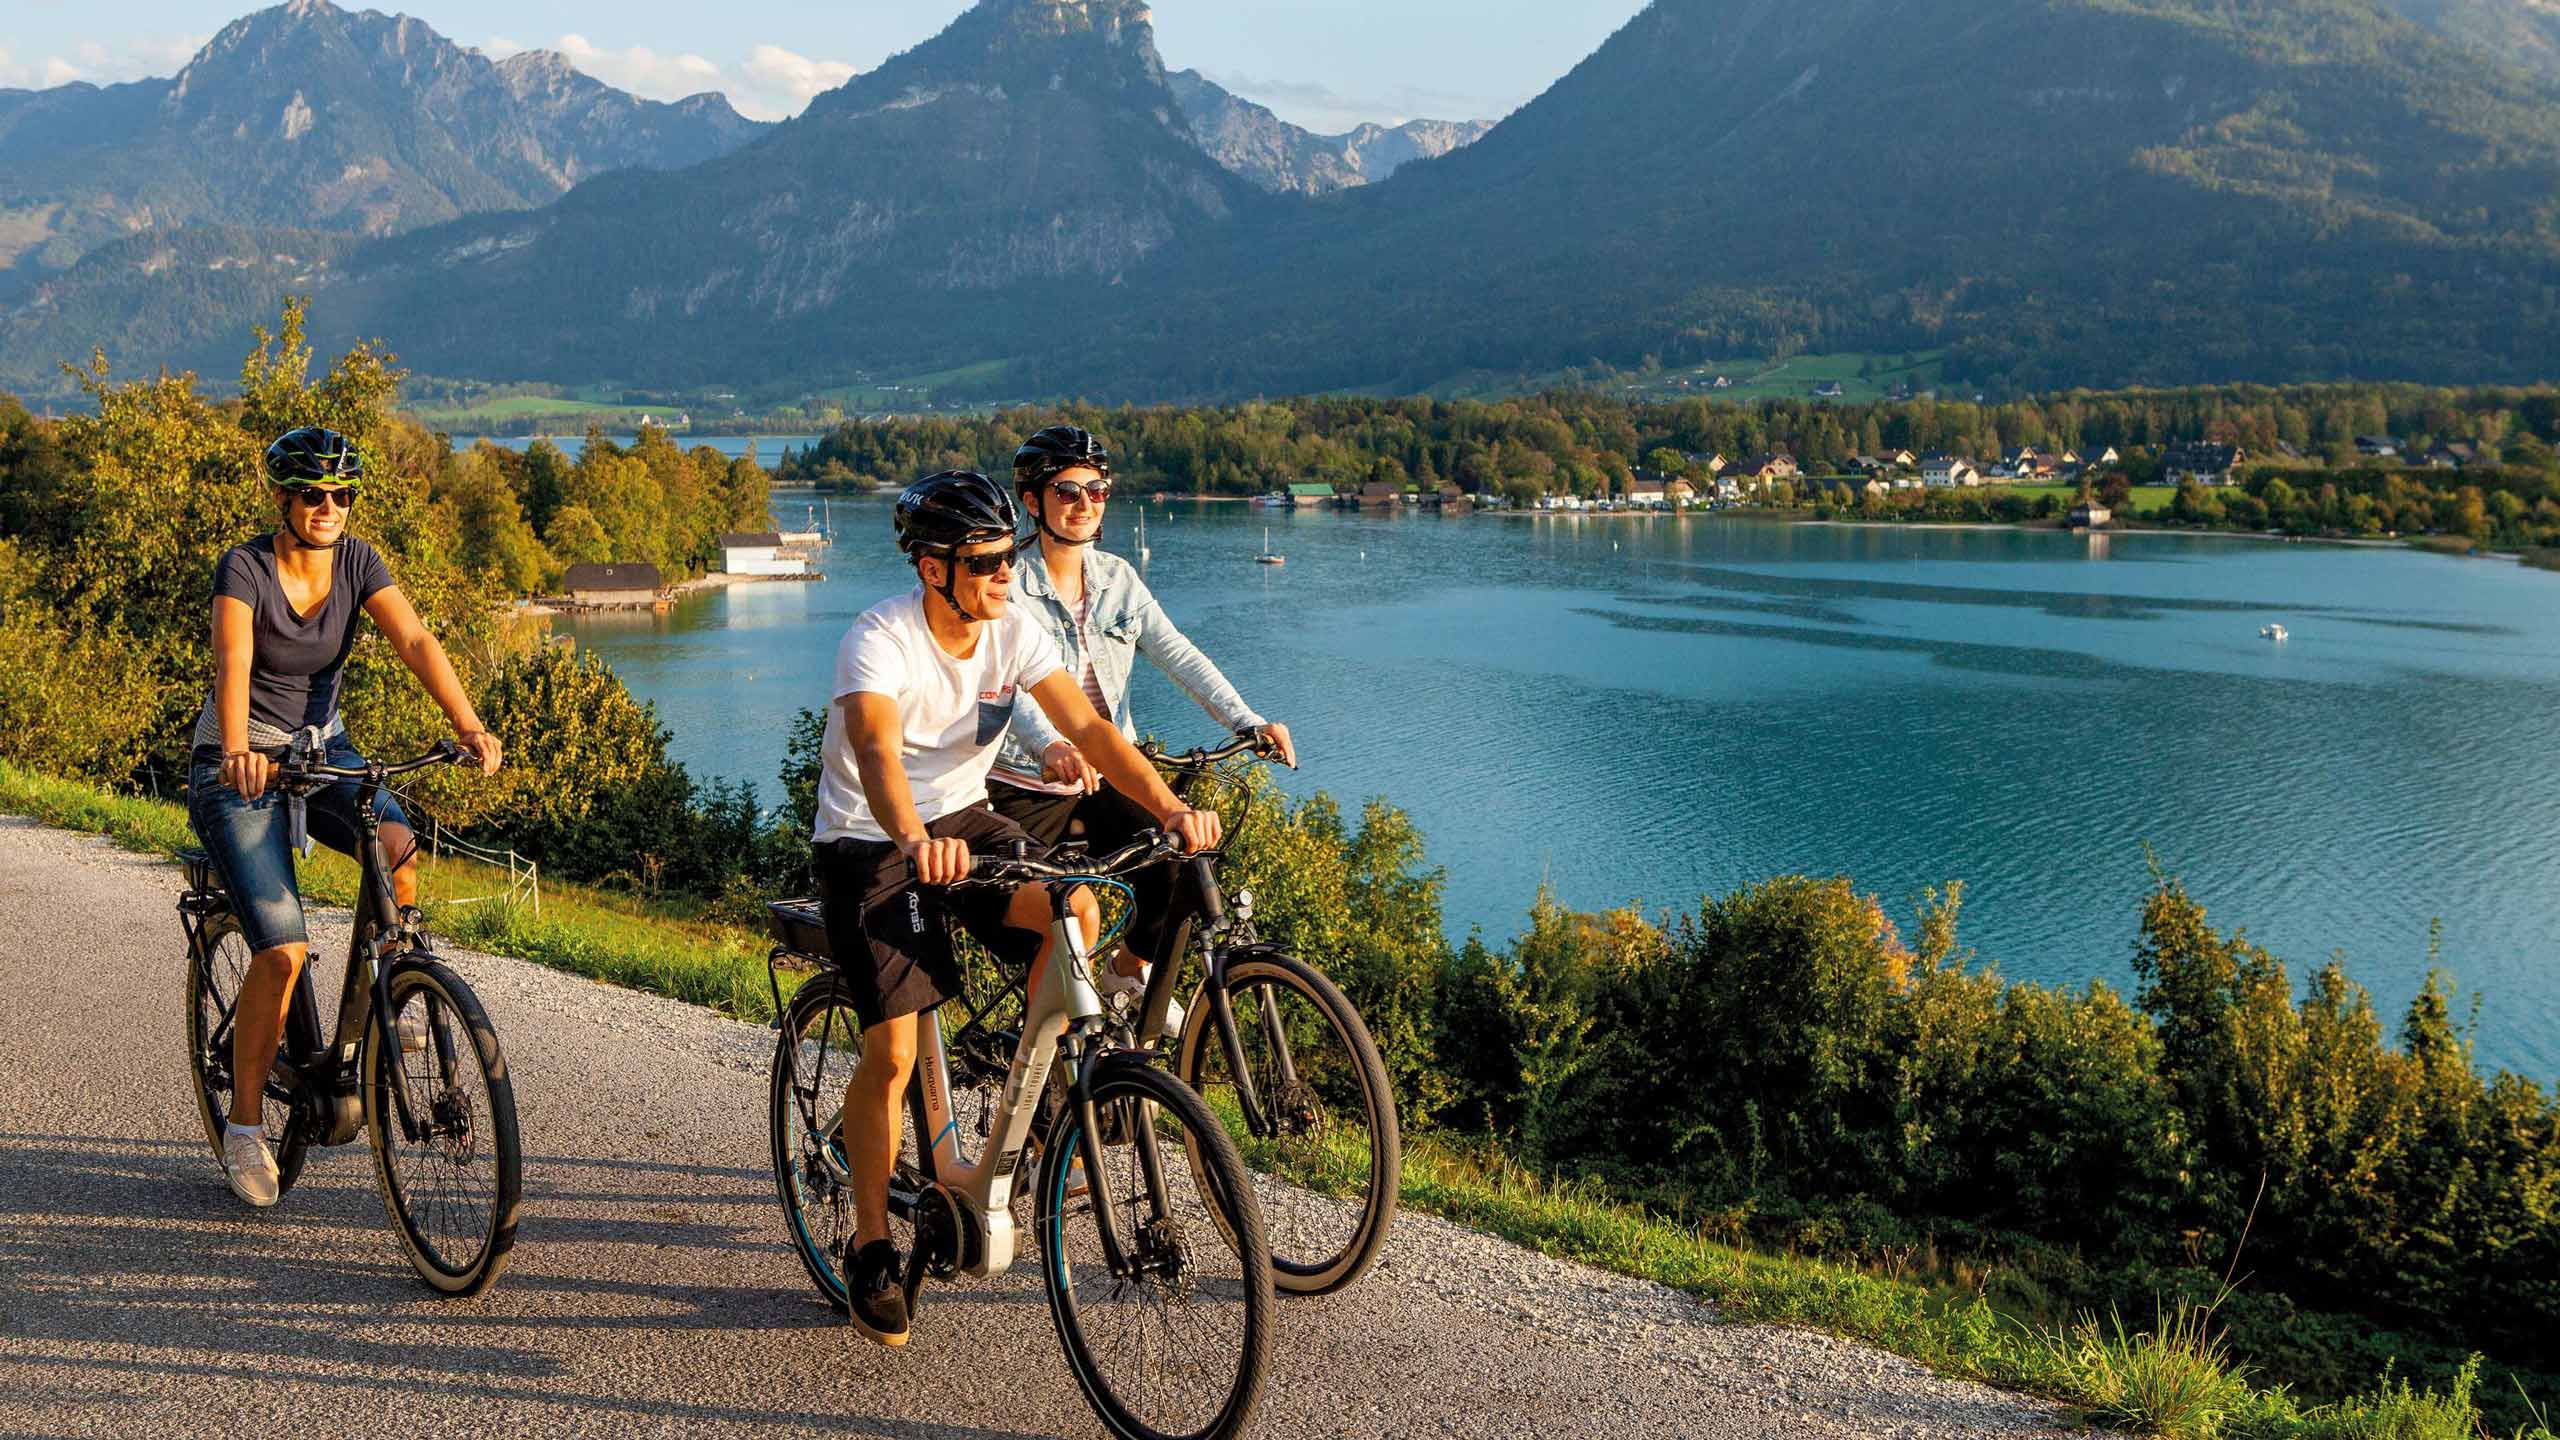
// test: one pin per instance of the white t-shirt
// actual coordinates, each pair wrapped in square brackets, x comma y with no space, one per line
[951,713]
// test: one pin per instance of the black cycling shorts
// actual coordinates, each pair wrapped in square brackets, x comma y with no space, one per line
[892,936]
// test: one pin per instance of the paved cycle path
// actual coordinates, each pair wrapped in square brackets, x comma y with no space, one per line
[651,1291]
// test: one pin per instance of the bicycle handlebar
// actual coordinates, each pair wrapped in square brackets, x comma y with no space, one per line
[1202,757]
[1149,848]
[299,772]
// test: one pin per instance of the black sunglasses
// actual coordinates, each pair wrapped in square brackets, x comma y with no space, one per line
[1067,490]
[984,565]
[316,496]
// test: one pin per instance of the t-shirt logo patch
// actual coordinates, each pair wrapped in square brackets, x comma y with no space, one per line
[995,711]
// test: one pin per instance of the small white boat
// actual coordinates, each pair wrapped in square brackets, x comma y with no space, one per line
[2272,632]
[1266,557]
[1273,500]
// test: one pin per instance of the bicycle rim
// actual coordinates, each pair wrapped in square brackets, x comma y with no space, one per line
[441,1111]
[1178,1351]
[213,988]
[1327,1158]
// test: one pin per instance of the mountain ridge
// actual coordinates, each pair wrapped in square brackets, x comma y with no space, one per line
[305,115]
[2248,190]
[1277,156]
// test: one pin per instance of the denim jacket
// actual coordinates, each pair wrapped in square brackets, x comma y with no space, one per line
[1126,621]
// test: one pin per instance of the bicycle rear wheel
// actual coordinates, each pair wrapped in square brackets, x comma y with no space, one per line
[441,1110]
[1176,1346]
[214,978]
[814,1059]
[1326,1153]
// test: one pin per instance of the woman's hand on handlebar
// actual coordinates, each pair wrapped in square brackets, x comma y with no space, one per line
[1196,829]
[248,772]
[938,860]
[1273,740]
[483,749]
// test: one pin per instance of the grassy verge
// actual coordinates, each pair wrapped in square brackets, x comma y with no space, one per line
[2173,1377]
[2543,559]
[595,933]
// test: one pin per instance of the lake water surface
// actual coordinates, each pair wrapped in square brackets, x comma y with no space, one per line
[1648,710]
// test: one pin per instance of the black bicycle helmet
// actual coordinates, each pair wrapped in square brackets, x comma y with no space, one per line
[940,513]
[1060,447]
[312,453]
[1053,451]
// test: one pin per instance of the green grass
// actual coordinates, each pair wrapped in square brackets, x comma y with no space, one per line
[2147,501]
[2542,559]
[531,407]
[2175,1378]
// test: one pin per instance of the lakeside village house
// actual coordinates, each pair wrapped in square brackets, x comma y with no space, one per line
[759,554]
[612,586]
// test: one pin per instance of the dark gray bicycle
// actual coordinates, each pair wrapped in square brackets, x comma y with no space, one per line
[414,1063]
[1279,1053]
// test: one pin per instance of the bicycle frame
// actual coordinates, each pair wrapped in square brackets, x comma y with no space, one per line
[309,1065]
[1061,1017]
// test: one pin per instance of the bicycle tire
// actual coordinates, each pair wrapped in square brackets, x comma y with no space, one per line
[1312,1252]
[487,1215]
[1229,1283]
[210,994]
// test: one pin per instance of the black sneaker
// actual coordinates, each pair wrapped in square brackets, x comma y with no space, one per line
[877,1282]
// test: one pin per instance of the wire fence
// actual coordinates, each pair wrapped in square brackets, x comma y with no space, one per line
[524,877]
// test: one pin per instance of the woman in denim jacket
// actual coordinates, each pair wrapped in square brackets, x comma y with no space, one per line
[1103,616]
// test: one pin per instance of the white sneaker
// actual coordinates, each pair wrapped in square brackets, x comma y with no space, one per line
[1113,985]
[251,1169]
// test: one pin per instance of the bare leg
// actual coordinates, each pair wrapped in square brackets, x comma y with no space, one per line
[872,1121]
[1029,910]
[402,847]
[257,1021]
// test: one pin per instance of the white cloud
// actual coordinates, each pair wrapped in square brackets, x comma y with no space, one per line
[780,83]
[100,62]
[641,70]
[771,84]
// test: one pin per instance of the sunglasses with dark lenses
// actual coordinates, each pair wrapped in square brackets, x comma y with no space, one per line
[983,566]
[1067,490]
[316,496]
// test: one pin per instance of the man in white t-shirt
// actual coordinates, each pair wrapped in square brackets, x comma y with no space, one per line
[925,685]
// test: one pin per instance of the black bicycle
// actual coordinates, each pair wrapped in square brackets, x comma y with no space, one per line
[1282,1057]
[414,1062]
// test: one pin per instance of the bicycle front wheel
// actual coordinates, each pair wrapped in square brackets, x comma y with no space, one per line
[1322,1140]
[214,979]
[1173,1343]
[441,1110]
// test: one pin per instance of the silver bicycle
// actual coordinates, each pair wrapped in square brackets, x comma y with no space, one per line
[1150,1236]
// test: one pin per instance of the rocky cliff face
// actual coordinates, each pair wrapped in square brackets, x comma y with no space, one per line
[1287,159]
[309,116]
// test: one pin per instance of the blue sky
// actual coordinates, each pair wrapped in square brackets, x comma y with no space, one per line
[1326,64]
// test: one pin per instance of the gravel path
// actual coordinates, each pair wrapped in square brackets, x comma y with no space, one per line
[652,1292]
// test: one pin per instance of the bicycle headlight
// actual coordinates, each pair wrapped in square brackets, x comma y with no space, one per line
[1242,905]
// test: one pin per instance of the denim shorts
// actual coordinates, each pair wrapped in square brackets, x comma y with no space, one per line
[251,841]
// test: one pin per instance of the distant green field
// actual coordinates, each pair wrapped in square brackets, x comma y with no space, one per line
[913,389]
[1863,377]
[2147,499]
[523,407]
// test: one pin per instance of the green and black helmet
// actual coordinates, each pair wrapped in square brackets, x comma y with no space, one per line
[312,453]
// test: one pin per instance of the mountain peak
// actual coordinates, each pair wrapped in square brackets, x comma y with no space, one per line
[1014,48]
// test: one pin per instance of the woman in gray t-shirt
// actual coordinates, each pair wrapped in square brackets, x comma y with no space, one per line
[285,608]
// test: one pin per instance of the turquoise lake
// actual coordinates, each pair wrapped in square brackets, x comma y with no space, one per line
[1649,710]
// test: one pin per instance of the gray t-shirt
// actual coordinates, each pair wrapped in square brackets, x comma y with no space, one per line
[296,659]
